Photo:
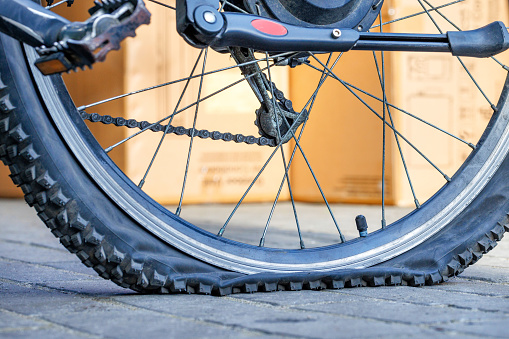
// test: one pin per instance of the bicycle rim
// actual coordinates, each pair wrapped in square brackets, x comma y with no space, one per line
[438,212]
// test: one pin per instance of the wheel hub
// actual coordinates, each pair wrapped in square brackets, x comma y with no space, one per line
[359,14]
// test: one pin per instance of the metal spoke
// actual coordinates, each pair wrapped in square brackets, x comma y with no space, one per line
[161,4]
[316,182]
[234,6]
[325,75]
[459,59]
[384,108]
[380,117]
[382,79]
[416,14]
[310,104]
[429,15]
[500,63]
[384,223]
[142,182]
[400,109]
[109,149]
[84,107]
[477,84]
[286,168]
[413,116]
[57,4]
[179,208]
[223,228]
[297,142]
[416,201]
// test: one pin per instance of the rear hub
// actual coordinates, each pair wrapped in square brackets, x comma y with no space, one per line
[358,14]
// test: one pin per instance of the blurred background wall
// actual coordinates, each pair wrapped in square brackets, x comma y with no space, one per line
[342,139]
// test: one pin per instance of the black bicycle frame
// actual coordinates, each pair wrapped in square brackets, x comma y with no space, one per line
[201,24]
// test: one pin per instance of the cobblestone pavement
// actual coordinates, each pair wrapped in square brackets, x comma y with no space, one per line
[45,292]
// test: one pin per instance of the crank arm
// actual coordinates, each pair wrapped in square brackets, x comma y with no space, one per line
[221,30]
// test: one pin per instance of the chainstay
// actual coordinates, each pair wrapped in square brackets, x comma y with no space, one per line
[179,130]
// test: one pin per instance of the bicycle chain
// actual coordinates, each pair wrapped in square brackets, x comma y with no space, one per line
[178,130]
[190,132]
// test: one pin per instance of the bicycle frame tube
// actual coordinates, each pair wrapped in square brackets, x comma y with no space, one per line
[201,24]
[29,22]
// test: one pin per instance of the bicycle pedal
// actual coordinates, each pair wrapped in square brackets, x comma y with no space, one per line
[111,38]
[64,57]
[53,64]
[72,53]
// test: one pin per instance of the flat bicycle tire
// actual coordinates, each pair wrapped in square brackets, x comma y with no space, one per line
[88,223]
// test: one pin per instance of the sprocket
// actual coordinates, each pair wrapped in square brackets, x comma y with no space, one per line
[276,118]
[287,122]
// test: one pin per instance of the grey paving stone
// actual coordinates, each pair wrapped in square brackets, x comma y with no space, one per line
[396,312]
[13,325]
[117,322]
[38,333]
[474,287]
[431,296]
[24,272]
[293,298]
[487,273]
[435,333]
[257,316]
[31,254]
[495,327]
[11,322]
[100,316]
[97,287]
[495,261]
[27,223]
[37,301]
[73,264]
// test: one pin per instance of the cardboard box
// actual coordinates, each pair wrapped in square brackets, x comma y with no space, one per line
[343,137]
[219,171]
[437,88]
[7,188]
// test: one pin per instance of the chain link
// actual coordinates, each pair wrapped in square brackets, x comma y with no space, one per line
[203,134]
[179,130]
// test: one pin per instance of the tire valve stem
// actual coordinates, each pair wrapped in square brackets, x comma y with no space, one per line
[362,226]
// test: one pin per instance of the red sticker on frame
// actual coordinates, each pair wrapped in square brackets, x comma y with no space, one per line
[269,27]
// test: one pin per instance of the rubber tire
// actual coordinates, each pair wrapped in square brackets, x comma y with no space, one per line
[90,225]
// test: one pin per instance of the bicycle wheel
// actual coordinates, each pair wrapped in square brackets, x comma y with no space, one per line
[114,226]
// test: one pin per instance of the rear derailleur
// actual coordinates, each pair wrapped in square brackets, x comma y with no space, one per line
[276,119]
